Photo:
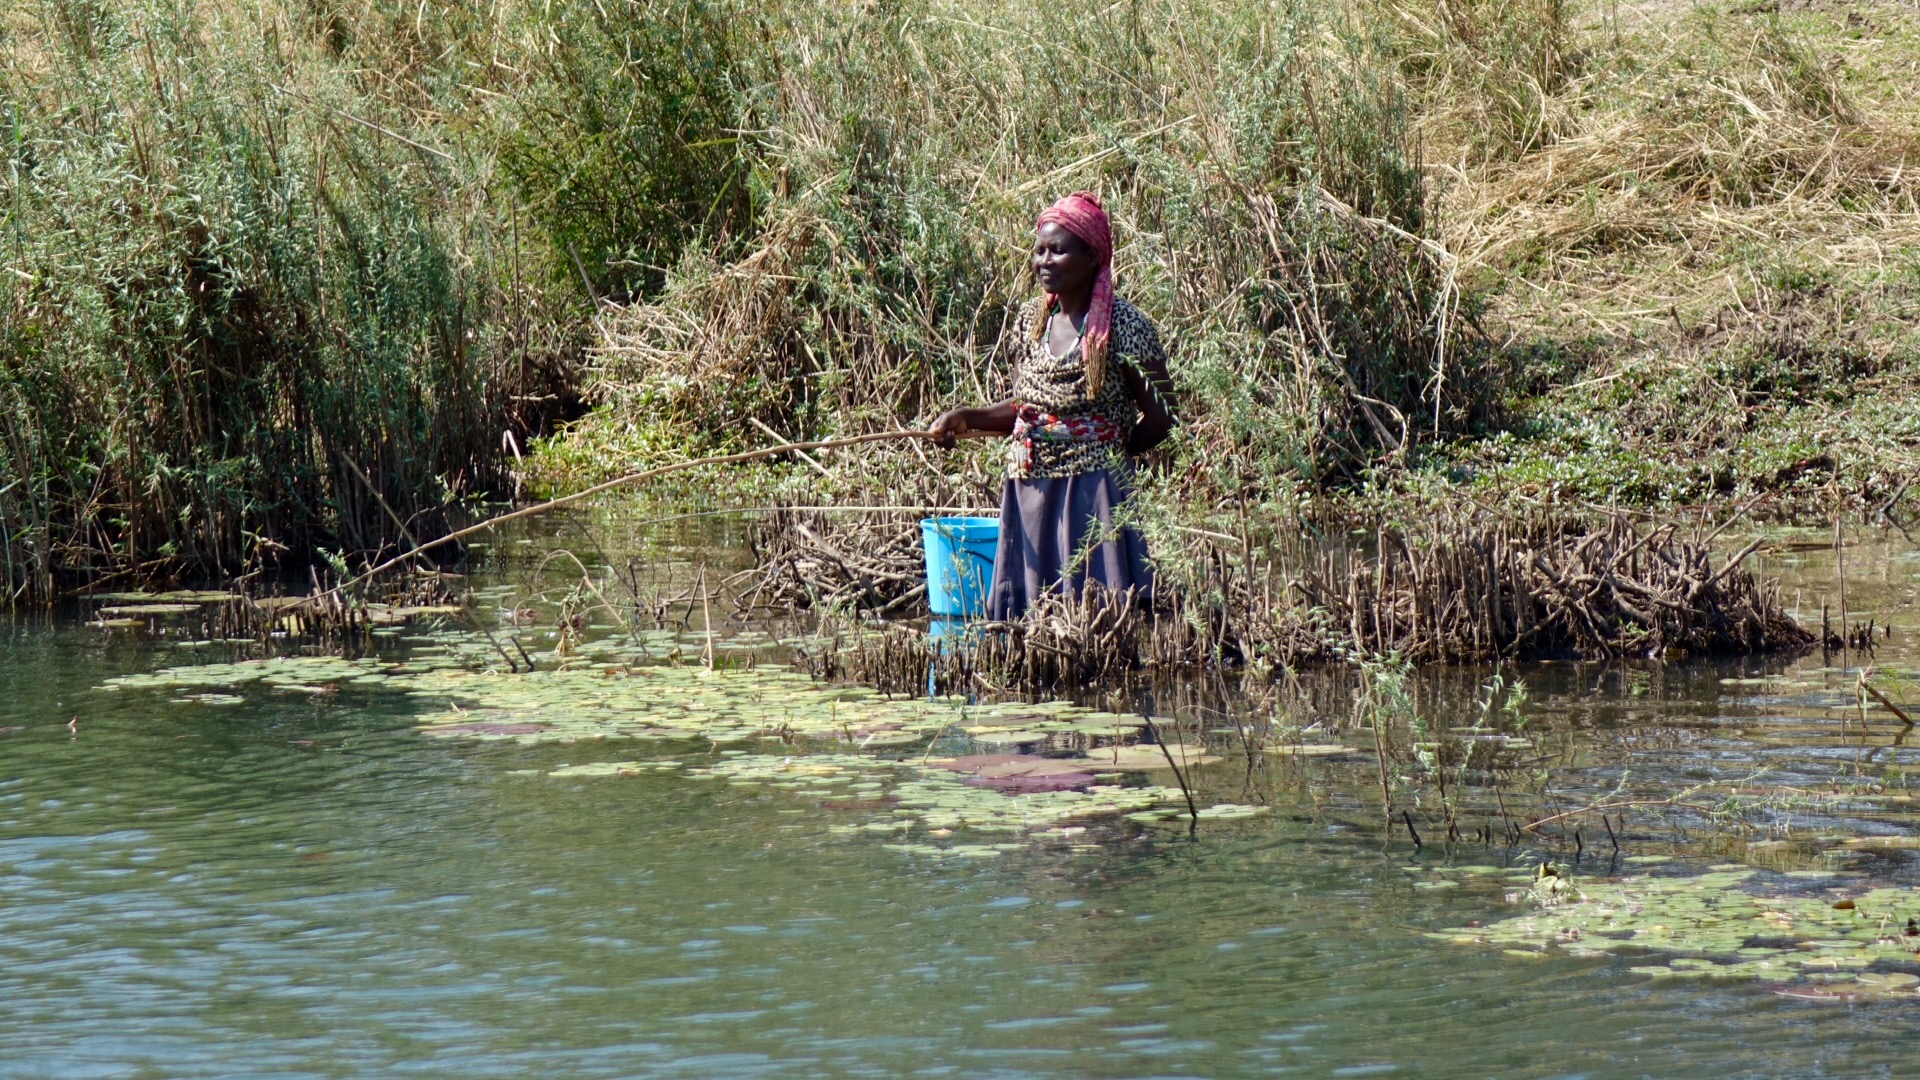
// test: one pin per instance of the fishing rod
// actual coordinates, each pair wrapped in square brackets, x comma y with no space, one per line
[636,477]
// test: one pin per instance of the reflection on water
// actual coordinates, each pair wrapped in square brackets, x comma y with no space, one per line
[299,885]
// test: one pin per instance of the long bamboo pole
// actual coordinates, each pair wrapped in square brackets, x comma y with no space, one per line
[634,478]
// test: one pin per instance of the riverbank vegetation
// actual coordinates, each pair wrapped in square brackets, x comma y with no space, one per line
[285,279]
[289,280]
[1660,256]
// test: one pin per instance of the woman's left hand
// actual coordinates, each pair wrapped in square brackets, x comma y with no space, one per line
[1155,401]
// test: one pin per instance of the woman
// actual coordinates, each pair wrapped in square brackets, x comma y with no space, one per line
[1090,391]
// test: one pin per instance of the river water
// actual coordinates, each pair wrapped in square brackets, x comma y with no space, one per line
[300,885]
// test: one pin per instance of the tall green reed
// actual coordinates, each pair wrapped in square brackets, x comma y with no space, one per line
[261,300]
[623,146]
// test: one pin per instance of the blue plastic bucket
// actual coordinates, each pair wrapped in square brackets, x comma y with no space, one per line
[959,563]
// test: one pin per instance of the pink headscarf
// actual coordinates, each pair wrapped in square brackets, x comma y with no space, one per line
[1081,215]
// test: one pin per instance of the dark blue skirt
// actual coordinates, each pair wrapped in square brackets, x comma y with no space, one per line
[1044,525]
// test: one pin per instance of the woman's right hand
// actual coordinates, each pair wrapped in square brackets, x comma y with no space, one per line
[950,426]
[957,424]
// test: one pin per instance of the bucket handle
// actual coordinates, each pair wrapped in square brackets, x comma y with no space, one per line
[958,545]
[982,571]
[957,552]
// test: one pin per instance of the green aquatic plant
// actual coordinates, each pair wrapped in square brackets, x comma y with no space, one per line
[872,751]
[1804,926]
[262,298]
[653,701]
[919,803]
[1551,885]
[206,679]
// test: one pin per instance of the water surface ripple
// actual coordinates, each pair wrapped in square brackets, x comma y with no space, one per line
[299,886]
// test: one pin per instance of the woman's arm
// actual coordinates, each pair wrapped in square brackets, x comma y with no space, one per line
[998,418]
[1152,388]
[954,423]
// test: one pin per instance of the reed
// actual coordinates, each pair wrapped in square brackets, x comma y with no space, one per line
[280,279]
[249,309]
[1473,586]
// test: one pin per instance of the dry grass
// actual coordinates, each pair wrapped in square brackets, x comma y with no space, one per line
[1684,151]
[1488,585]
[1694,250]
[1473,584]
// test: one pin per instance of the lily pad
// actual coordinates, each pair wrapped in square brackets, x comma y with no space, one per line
[148,611]
[1710,923]
[1883,843]
[889,738]
[1021,772]
[1145,758]
[1024,782]
[829,745]
[1310,750]
[1888,980]
[175,596]
[484,729]
[601,768]
[1229,811]
[1007,736]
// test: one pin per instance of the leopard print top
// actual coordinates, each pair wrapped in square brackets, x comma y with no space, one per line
[1058,385]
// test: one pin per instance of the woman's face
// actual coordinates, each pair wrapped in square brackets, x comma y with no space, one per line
[1062,262]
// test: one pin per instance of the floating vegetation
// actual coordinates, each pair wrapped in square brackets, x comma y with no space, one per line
[614,768]
[209,699]
[663,702]
[1152,756]
[171,596]
[1310,750]
[146,611]
[1720,925]
[937,797]
[482,654]
[945,800]
[1023,772]
[868,750]
[327,616]
[281,671]
[921,802]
